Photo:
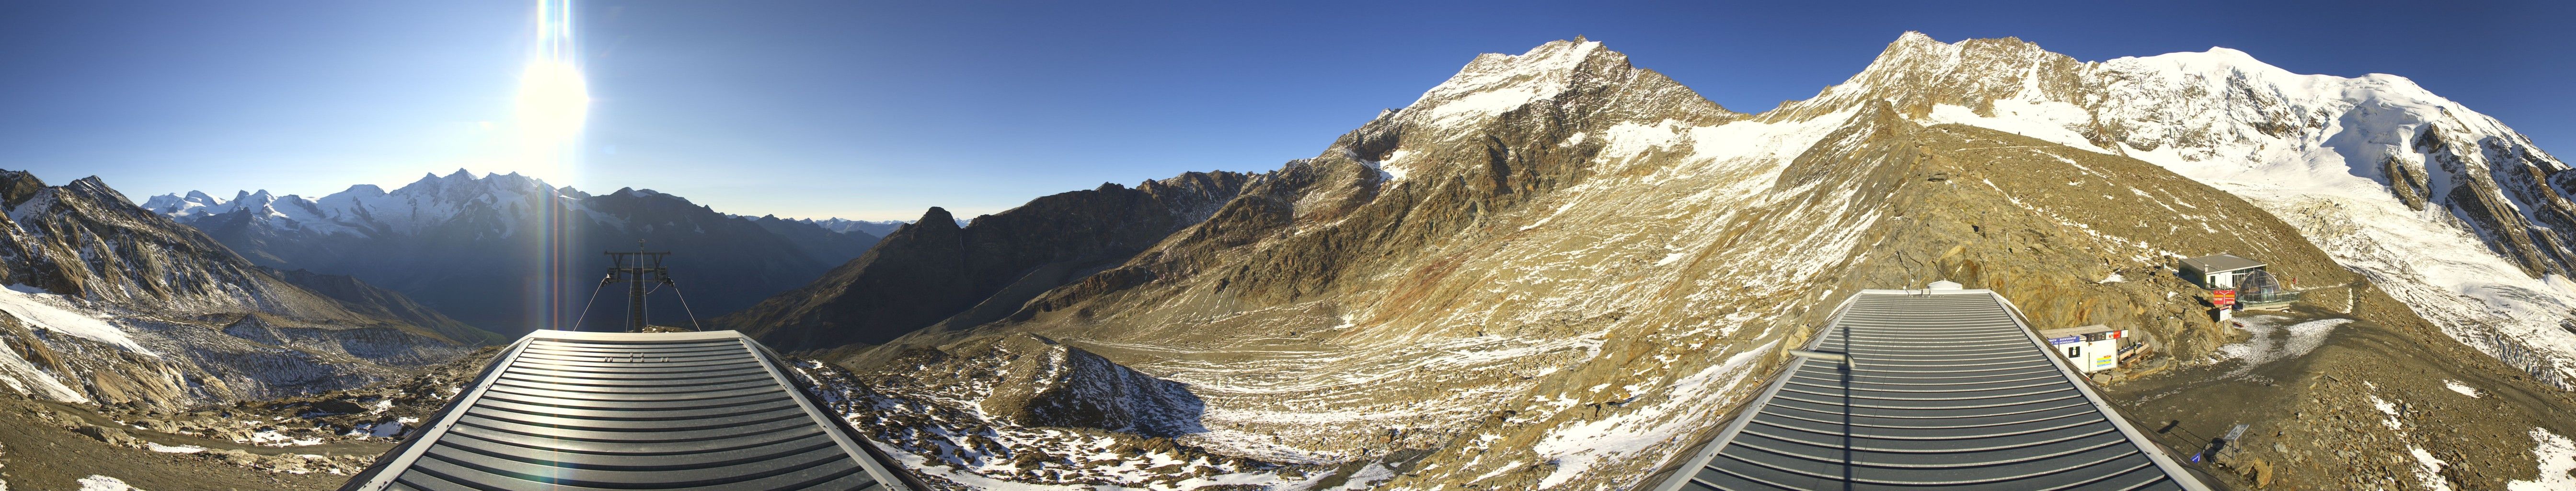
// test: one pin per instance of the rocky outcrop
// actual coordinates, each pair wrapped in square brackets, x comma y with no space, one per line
[1045,383]
[932,270]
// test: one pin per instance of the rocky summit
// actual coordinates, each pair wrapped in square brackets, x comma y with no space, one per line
[1559,270]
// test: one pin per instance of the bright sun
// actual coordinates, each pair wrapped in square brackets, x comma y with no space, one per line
[553,98]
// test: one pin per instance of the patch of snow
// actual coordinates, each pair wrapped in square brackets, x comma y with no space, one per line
[103,483]
[2054,121]
[173,449]
[2270,341]
[51,312]
[2463,389]
[1576,449]
[2113,278]
[2557,457]
[2429,470]
[2386,408]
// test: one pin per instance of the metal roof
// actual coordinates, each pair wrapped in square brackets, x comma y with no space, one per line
[2220,263]
[564,410]
[1947,389]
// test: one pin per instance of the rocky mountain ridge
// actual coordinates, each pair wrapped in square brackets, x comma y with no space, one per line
[933,272]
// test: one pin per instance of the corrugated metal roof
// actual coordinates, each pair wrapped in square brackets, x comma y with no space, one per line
[584,410]
[2220,263]
[1947,389]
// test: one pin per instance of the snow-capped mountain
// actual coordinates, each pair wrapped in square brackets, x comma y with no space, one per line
[2445,208]
[109,303]
[469,246]
[1556,270]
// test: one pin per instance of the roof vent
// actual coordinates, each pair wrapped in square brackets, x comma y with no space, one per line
[1945,285]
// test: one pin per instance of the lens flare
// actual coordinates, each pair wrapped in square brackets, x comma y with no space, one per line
[553,99]
[553,103]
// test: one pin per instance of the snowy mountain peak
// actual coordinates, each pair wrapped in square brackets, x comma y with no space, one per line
[1494,83]
[1916,72]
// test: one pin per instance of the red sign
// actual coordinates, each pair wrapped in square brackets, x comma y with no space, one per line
[2222,298]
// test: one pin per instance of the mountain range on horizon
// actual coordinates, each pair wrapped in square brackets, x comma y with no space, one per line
[472,246]
[1553,270]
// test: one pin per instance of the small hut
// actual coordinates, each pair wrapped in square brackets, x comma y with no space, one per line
[2091,348]
[2247,283]
[2220,272]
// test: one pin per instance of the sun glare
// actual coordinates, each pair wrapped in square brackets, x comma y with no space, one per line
[553,103]
[553,99]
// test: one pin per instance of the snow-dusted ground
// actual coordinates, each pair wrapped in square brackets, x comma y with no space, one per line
[47,311]
[2275,338]
[2557,464]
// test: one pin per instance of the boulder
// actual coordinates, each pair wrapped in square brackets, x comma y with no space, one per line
[112,436]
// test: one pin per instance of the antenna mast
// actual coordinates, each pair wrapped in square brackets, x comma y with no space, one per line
[636,269]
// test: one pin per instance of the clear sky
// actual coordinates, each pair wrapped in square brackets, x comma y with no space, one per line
[876,110]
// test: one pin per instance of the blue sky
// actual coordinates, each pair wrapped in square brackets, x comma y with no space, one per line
[877,110]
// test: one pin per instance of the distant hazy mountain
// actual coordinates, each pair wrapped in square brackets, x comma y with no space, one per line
[487,250]
[109,303]
[877,228]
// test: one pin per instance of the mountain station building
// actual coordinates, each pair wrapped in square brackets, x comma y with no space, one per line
[2219,272]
